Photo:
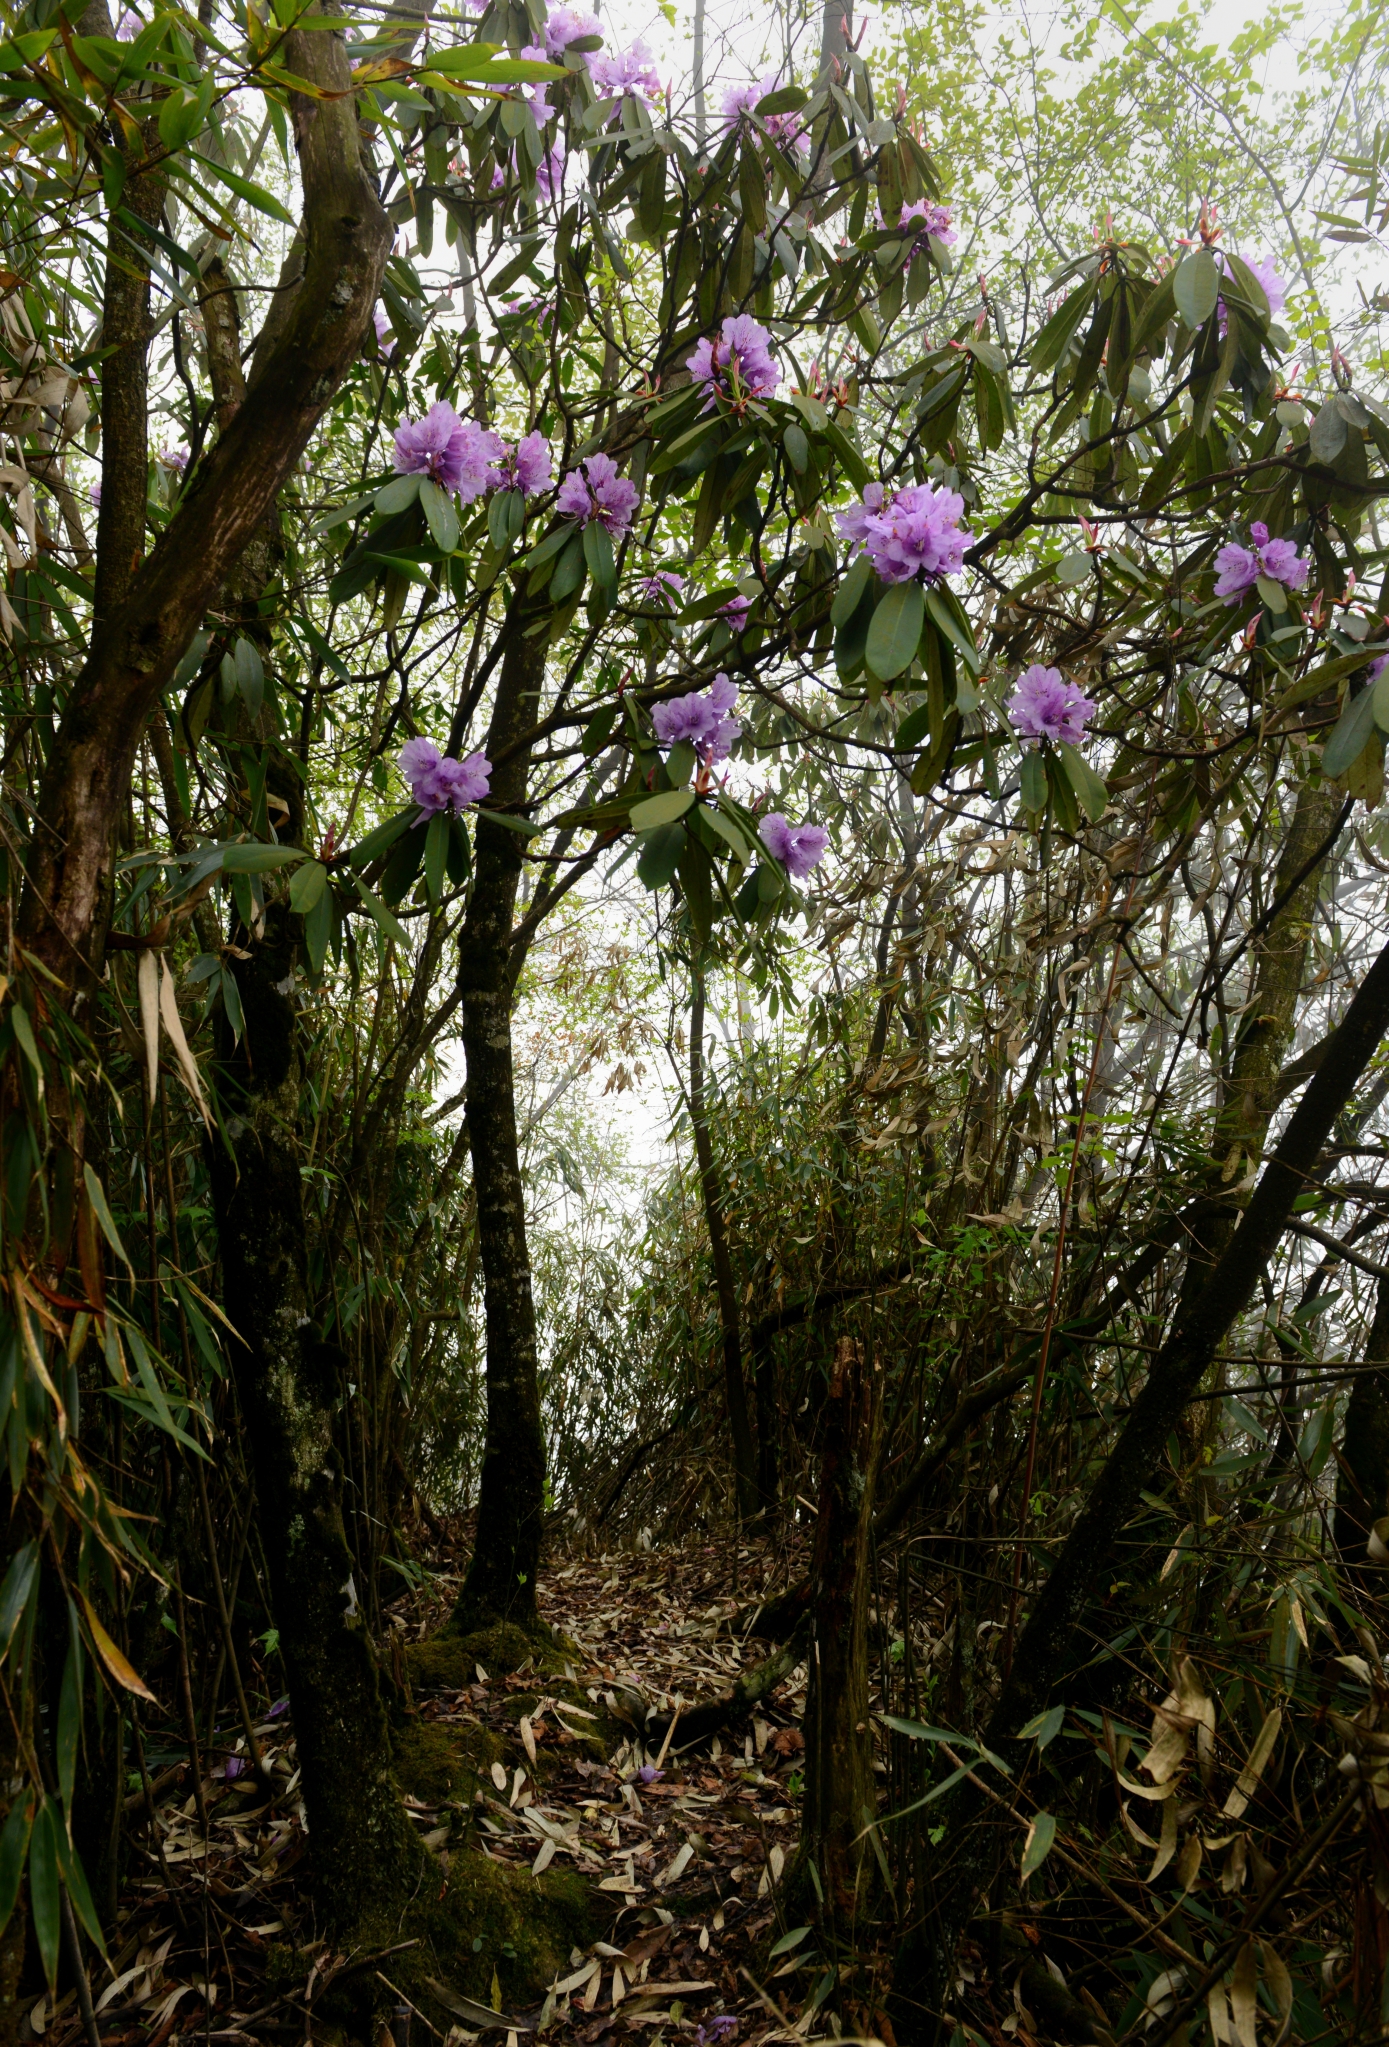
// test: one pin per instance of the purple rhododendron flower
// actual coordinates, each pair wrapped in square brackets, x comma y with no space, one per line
[626,71]
[534,95]
[741,100]
[663,588]
[569,25]
[438,781]
[478,448]
[1275,291]
[736,611]
[649,1774]
[1045,705]
[96,493]
[716,2031]
[738,365]
[385,334]
[432,446]
[129,26]
[703,721]
[174,458]
[596,491]
[798,847]
[1240,567]
[526,467]
[915,532]
[934,220]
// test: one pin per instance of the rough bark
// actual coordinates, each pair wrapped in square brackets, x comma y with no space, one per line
[365,1859]
[1362,1483]
[132,659]
[725,1284]
[506,1554]
[840,1798]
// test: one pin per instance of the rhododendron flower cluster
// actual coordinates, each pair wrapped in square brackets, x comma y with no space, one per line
[1046,706]
[569,25]
[1241,567]
[526,467]
[736,611]
[927,220]
[438,781]
[787,129]
[798,847]
[913,532]
[174,458]
[702,720]
[627,71]
[459,455]
[596,491]
[738,365]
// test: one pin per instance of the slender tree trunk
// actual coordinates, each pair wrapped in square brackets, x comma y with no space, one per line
[365,1859]
[501,1581]
[1252,1093]
[1045,1645]
[1362,1483]
[739,1423]
[840,1798]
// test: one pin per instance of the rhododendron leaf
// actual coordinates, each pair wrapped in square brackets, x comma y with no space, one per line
[850,592]
[1348,737]
[661,809]
[787,99]
[399,493]
[1196,287]
[1327,436]
[440,516]
[436,841]
[913,729]
[570,570]
[307,885]
[1089,787]
[1034,782]
[660,855]
[894,633]
[598,553]
[381,839]
[1055,337]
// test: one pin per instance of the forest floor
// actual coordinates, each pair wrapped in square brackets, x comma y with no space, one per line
[682,1850]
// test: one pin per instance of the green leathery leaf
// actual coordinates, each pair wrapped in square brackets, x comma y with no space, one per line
[895,630]
[1091,793]
[250,858]
[306,886]
[318,929]
[386,923]
[436,841]
[1196,287]
[382,838]
[399,494]
[850,591]
[1347,742]
[661,809]
[660,856]
[440,516]
[569,571]
[913,729]
[598,553]
[1034,782]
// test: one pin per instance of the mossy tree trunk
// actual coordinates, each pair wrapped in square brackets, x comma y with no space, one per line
[365,1858]
[511,1499]
[840,1797]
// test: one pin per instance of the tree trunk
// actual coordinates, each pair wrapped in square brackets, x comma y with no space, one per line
[501,1577]
[365,1859]
[132,659]
[840,1797]
[740,1426]
[1362,1483]
[1045,1645]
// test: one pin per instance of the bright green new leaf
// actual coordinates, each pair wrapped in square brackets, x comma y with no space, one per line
[440,516]
[307,885]
[1196,287]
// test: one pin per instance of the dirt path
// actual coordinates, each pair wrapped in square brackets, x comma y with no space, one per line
[216,1938]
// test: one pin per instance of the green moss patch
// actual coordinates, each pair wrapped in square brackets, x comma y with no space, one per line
[440,1761]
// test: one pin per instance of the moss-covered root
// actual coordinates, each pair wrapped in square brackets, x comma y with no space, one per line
[478,1927]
